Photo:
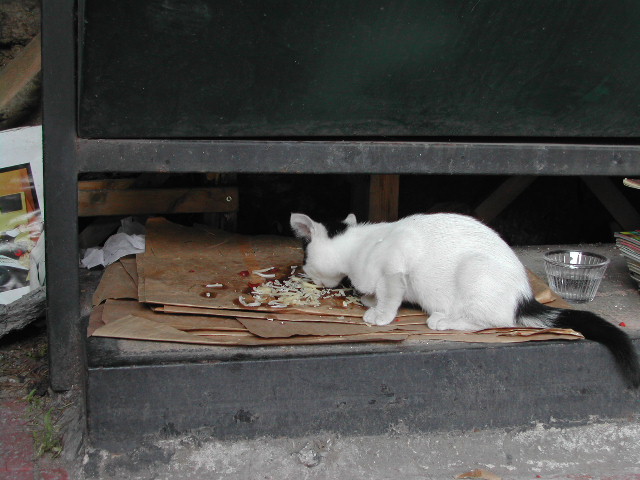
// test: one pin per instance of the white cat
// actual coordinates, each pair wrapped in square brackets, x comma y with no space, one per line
[455,268]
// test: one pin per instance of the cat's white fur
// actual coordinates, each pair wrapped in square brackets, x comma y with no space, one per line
[455,268]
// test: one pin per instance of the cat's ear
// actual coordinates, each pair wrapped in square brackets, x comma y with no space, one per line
[303,226]
[350,220]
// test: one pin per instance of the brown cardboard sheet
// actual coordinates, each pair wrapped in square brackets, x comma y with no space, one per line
[544,294]
[281,329]
[355,316]
[137,328]
[140,273]
[116,309]
[115,283]
[129,264]
[95,319]
[178,264]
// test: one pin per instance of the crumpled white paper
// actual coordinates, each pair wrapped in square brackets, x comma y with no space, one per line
[129,239]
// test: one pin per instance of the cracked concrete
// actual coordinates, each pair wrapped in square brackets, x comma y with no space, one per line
[596,450]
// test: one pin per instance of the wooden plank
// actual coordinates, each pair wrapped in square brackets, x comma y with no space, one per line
[101,227]
[146,180]
[384,192]
[19,79]
[614,201]
[502,196]
[224,221]
[107,184]
[154,201]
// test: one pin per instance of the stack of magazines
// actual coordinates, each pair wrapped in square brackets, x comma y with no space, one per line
[629,245]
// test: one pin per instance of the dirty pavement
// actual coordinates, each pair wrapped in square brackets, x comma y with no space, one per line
[41,438]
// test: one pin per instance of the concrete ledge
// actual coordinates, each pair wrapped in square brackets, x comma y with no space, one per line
[136,389]
[365,394]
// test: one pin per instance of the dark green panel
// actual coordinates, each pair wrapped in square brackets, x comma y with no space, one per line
[255,68]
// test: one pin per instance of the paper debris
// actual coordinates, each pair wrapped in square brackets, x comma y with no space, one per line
[127,241]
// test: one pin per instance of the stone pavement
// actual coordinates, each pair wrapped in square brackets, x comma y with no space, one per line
[605,450]
[25,402]
[18,460]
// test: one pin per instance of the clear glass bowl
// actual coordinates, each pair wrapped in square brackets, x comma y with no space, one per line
[575,275]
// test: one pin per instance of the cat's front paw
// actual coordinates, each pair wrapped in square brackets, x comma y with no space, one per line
[373,317]
[438,321]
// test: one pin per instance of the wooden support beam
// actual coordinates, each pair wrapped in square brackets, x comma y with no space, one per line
[107,184]
[614,201]
[384,192]
[100,228]
[155,201]
[502,196]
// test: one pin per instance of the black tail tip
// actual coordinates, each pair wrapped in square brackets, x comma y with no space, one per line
[633,377]
[595,328]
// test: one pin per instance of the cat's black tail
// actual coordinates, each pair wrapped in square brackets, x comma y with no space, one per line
[531,313]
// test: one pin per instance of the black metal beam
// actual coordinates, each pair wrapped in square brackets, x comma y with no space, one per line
[271,156]
[66,345]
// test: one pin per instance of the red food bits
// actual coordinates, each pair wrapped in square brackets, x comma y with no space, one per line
[622,324]
[253,285]
[244,273]
[191,271]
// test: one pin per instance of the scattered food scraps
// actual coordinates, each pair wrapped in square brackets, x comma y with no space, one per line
[248,304]
[265,272]
[296,290]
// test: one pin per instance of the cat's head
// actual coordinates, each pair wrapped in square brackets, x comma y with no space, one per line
[321,261]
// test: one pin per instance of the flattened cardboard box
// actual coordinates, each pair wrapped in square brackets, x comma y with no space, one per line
[180,262]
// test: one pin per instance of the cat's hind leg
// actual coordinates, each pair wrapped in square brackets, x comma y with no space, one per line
[485,294]
[389,293]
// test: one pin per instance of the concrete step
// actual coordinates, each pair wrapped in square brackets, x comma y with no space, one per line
[137,389]
[596,450]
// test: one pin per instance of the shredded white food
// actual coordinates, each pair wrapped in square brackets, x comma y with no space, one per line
[296,290]
[214,285]
[248,304]
[264,270]
[265,275]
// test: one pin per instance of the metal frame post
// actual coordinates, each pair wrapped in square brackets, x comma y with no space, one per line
[66,345]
